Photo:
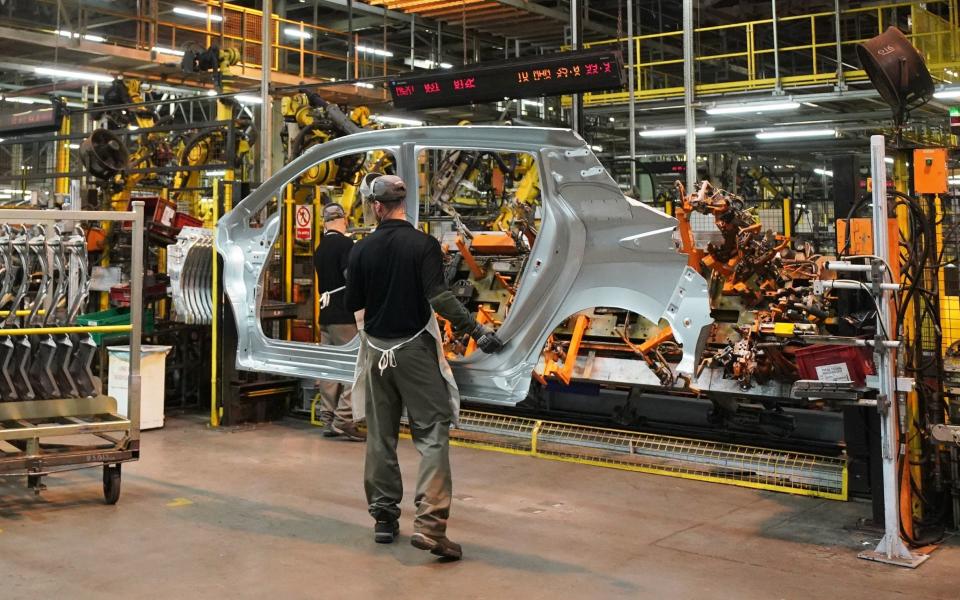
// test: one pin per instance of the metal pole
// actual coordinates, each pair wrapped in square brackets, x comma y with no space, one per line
[688,95]
[777,89]
[632,104]
[349,38]
[413,30]
[266,111]
[576,110]
[136,317]
[891,548]
[841,84]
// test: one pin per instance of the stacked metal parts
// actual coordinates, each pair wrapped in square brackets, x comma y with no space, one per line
[190,267]
[45,283]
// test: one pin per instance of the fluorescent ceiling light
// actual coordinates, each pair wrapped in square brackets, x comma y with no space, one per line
[947,93]
[823,172]
[370,50]
[88,37]
[22,100]
[752,107]
[211,92]
[536,103]
[612,119]
[396,120]
[296,33]
[73,146]
[170,51]
[673,132]
[189,12]
[420,63]
[215,173]
[5,196]
[65,74]
[889,160]
[597,148]
[796,133]
[247,99]
[364,84]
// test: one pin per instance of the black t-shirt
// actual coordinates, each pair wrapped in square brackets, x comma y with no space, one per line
[330,261]
[392,273]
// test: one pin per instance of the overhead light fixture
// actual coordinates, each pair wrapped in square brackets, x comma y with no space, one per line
[247,99]
[65,74]
[674,131]
[612,119]
[189,12]
[364,84]
[396,120]
[752,107]
[21,100]
[170,51]
[211,92]
[889,160]
[536,103]
[88,37]
[215,173]
[823,172]
[296,33]
[796,133]
[73,146]
[947,93]
[597,148]
[420,63]
[371,50]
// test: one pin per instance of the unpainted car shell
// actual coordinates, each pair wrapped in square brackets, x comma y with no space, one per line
[596,247]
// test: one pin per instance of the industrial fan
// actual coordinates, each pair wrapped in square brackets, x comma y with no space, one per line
[104,156]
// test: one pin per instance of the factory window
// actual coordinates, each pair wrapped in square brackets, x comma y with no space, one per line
[293,280]
[484,207]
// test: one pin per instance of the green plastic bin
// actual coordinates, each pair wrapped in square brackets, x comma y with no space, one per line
[113,316]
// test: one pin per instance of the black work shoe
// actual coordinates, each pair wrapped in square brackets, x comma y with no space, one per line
[384,532]
[438,546]
[349,430]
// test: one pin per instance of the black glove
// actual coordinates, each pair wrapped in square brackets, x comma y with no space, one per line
[486,339]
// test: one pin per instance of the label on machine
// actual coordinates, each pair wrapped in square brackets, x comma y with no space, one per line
[834,372]
[303,223]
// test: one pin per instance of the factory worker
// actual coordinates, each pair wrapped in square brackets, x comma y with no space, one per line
[395,275]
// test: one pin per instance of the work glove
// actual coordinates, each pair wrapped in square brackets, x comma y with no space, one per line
[486,339]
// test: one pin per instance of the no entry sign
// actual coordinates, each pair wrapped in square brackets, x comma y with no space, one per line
[303,223]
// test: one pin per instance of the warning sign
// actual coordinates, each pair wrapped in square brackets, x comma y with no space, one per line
[303,223]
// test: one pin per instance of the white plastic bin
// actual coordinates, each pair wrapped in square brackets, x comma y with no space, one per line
[153,367]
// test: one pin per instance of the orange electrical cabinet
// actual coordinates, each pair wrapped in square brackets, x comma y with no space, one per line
[930,170]
[861,240]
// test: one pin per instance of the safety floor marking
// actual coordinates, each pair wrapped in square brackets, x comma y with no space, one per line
[177,502]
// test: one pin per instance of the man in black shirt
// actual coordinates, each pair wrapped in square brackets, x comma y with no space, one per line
[396,276]
[337,325]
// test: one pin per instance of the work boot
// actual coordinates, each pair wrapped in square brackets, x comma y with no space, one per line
[384,532]
[328,428]
[349,430]
[437,545]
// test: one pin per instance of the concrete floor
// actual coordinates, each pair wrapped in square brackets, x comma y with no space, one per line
[278,512]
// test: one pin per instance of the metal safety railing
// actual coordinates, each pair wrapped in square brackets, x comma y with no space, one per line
[746,56]
[297,46]
[701,460]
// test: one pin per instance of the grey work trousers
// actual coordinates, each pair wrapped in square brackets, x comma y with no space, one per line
[335,400]
[415,383]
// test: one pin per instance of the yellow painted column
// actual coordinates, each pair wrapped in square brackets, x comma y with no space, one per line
[787,217]
[287,244]
[62,184]
[215,303]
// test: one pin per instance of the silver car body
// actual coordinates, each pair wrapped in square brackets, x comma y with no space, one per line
[596,247]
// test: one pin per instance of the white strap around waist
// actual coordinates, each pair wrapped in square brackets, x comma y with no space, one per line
[387,357]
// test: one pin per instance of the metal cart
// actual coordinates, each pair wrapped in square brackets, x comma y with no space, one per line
[98,436]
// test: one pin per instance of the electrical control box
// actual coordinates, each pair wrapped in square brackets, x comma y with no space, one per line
[930,170]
